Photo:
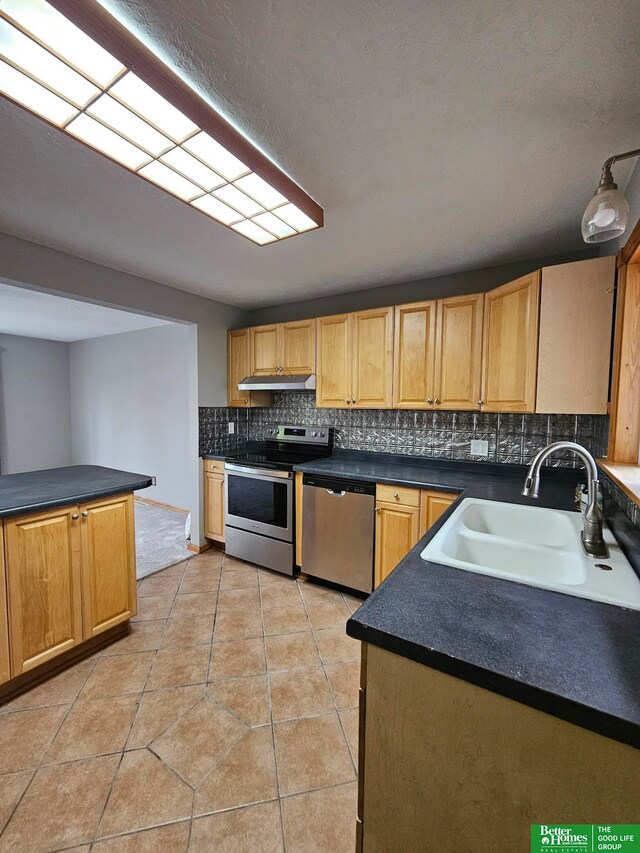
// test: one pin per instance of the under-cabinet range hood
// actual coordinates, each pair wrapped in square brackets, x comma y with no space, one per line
[278,382]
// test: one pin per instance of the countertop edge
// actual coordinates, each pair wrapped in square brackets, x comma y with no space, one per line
[29,509]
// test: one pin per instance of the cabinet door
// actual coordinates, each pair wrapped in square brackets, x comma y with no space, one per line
[333,388]
[44,586]
[397,531]
[214,506]
[432,505]
[372,383]
[108,563]
[298,347]
[264,350]
[414,354]
[510,346]
[5,667]
[459,352]
[237,366]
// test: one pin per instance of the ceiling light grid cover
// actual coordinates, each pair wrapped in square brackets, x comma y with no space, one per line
[71,63]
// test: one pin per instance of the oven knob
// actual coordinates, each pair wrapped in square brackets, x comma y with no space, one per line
[313,434]
[322,434]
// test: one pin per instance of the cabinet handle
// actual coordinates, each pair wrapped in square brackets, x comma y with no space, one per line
[75,516]
[85,514]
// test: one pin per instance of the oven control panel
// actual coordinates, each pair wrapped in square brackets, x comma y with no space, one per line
[317,435]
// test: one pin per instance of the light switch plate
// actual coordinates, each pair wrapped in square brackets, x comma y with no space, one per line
[231,427]
[479,447]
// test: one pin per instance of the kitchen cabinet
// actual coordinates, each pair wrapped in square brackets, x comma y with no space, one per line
[397,527]
[108,563]
[238,368]
[458,352]
[432,505]
[44,585]
[286,348]
[355,360]
[414,355]
[214,499]
[510,346]
[5,667]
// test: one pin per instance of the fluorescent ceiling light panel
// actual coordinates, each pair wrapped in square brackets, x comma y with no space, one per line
[35,97]
[50,28]
[212,207]
[98,136]
[230,195]
[207,149]
[259,189]
[126,123]
[81,70]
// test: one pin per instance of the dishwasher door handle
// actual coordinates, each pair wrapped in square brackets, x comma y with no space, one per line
[335,493]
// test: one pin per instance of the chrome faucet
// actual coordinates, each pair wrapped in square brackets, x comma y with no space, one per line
[592,540]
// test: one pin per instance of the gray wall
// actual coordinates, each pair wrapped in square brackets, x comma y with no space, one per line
[473,281]
[133,407]
[632,192]
[42,268]
[35,422]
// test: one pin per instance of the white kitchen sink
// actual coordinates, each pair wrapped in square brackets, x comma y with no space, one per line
[535,546]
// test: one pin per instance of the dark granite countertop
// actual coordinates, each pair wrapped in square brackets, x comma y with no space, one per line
[34,491]
[574,658]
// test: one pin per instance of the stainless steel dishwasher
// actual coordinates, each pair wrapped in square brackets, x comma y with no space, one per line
[338,531]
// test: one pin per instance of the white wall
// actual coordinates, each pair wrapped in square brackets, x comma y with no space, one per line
[134,407]
[35,422]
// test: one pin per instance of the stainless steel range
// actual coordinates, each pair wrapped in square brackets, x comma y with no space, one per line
[259,492]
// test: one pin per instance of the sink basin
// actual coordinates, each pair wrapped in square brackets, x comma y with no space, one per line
[535,546]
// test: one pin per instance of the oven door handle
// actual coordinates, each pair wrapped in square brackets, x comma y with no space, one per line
[265,473]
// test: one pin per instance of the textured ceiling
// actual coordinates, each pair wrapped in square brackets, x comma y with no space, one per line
[438,137]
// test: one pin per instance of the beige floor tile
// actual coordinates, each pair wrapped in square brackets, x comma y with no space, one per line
[239,598]
[267,577]
[312,753]
[60,690]
[116,675]
[334,645]
[344,680]
[255,829]
[200,581]
[97,727]
[233,563]
[143,637]
[314,593]
[177,667]
[194,604]
[145,793]
[238,623]
[247,774]
[158,585]
[159,709]
[153,607]
[61,807]
[280,596]
[173,838]
[196,742]
[12,787]
[350,723]
[243,578]
[321,821]
[300,693]
[26,735]
[236,659]
[291,651]
[328,614]
[247,698]
[289,619]
[208,559]
[188,631]
[353,602]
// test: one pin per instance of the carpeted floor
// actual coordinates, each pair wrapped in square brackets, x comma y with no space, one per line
[160,540]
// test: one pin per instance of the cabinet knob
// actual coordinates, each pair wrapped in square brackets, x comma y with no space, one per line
[85,514]
[352,400]
[396,496]
[481,402]
[75,516]
[347,402]
[377,509]
[437,401]
[430,400]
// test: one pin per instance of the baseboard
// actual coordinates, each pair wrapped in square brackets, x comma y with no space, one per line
[160,504]
[199,549]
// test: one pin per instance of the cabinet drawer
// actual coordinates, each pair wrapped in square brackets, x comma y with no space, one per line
[397,495]
[214,466]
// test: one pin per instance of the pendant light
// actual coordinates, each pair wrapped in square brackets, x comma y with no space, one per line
[607,214]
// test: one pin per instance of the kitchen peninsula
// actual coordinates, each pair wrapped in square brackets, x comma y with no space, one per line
[67,568]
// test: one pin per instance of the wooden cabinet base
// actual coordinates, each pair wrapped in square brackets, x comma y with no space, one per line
[21,683]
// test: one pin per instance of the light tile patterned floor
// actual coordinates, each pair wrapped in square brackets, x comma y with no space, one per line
[226,721]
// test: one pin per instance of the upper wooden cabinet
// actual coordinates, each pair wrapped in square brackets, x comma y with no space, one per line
[510,346]
[108,563]
[355,360]
[238,368]
[44,586]
[5,668]
[458,352]
[287,348]
[576,317]
[414,355]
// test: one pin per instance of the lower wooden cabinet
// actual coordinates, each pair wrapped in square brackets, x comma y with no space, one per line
[214,499]
[5,667]
[108,563]
[44,586]
[432,505]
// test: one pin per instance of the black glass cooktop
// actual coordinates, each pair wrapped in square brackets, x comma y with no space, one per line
[283,460]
